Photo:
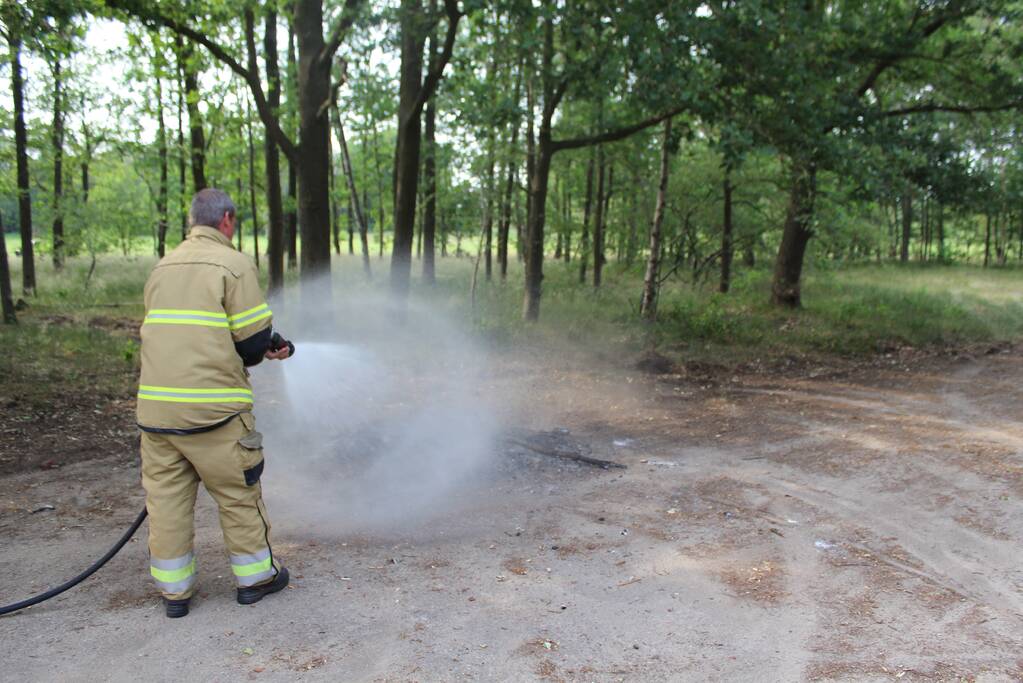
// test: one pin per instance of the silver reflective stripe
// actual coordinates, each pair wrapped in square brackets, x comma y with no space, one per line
[176,563]
[252,569]
[253,579]
[179,587]
[241,560]
[186,316]
[176,575]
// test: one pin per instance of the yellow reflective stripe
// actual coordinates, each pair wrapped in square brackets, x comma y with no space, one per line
[183,399]
[186,390]
[183,321]
[182,311]
[250,569]
[173,575]
[252,310]
[185,395]
[182,316]
[245,323]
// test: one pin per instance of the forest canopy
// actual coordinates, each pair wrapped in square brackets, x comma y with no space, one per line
[679,139]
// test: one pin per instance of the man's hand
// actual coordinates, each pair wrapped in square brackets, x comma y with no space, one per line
[280,348]
[279,354]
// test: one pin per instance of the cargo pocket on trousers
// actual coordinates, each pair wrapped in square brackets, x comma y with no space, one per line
[251,452]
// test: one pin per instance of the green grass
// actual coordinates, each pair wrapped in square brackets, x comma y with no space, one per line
[43,359]
[849,312]
[77,334]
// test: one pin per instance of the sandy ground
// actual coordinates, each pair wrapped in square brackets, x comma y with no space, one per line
[857,525]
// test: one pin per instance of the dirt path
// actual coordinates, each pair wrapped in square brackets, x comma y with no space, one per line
[863,527]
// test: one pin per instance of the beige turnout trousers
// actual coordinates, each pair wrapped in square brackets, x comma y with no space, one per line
[229,462]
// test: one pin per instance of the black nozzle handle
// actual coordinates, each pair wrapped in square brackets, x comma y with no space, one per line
[277,342]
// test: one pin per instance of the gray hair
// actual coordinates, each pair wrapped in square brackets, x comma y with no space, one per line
[209,207]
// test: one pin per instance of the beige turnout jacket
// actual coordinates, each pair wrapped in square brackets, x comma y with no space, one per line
[200,299]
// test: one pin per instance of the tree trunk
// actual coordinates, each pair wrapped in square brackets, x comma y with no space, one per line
[314,147]
[907,224]
[749,256]
[58,166]
[6,298]
[651,281]
[987,239]
[335,226]
[430,208]
[726,236]
[380,189]
[413,94]
[504,226]
[406,157]
[183,202]
[632,241]
[350,223]
[598,221]
[197,136]
[941,233]
[1003,239]
[488,210]
[239,223]
[606,214]
[161,197]
[353,194]
[252,183]
[523,242]
[559,211]
[788,267]
[584,240]
[291,217]
[85,159]
[28,264]
[535,223]
[925,230]
[566,215]
[1019,251]
[272,161]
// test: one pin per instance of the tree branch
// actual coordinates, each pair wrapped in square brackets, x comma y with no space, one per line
[930,107]
[892,59]
[613,135]
[250,75]
[337,35]
[433,77]
[559,92]
[268,116]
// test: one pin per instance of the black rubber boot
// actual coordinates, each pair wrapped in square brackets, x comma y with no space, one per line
[253,594]
[176,608]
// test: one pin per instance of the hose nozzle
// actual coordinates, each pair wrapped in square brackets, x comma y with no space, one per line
[277,342]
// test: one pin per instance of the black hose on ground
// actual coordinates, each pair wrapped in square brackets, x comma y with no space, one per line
[35,600]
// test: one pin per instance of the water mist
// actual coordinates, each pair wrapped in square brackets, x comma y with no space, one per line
[376,423]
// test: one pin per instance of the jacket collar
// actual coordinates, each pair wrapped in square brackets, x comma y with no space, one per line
[209,233]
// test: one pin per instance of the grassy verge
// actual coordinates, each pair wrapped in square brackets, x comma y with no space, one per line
[78,332]
[850,312]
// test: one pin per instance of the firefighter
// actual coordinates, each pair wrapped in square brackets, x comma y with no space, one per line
[206,321]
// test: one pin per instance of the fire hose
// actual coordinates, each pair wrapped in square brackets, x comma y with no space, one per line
[276,343]
[36,599]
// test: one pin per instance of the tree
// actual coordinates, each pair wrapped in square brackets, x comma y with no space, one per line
[6,300]
[413,92]
[14,22]
[310,154]
[272,157]
[846,67]
[664,31]
[651,281]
